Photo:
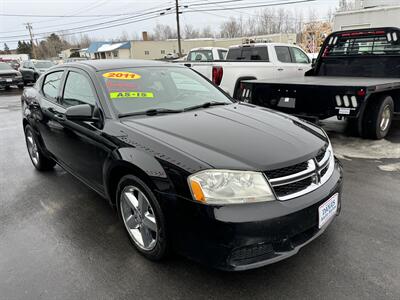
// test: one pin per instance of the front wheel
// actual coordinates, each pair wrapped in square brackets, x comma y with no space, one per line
[142,217]
[378,117]
[39,160]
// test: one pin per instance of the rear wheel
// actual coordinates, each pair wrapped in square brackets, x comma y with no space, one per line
[378,117]
[142,217]
[39,160]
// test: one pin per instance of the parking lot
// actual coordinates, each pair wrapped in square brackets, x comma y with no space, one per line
[60,240]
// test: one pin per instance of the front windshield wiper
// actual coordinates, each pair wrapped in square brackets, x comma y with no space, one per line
[205,105]
[151,112]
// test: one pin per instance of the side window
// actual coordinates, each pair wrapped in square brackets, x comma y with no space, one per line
[77,91]
[283,54]
[51,85]
[222,54]
[299,56]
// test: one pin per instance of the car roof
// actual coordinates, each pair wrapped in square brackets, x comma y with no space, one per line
[261,45]
[106,64]
[208,48]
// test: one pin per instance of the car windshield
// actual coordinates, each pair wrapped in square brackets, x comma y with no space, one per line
[43,64]
[136,90]
[4,66]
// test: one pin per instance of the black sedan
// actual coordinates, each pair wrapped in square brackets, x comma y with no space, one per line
[188,169]
[10,77]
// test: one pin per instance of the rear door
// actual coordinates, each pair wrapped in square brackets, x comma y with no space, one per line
[285,66]
[48,121]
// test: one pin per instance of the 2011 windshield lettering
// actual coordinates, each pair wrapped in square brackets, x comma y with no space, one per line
[122,75]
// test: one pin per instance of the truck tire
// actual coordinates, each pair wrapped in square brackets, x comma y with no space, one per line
[378,117]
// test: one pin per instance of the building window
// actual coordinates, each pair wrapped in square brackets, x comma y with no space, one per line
[146,52]
[115,53]
[162,51]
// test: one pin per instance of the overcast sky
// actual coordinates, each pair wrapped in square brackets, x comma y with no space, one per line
[12,27]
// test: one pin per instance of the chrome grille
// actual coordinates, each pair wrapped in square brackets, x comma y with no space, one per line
[300,179]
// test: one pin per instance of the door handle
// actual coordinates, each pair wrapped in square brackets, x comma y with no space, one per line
[56,114]
[280,69]
[59,117]
[300,69]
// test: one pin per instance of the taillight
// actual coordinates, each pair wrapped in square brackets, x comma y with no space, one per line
[361,93]
[217,73]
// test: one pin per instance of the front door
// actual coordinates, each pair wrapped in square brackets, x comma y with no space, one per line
[84,148]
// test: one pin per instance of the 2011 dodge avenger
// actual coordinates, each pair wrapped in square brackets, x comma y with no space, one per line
[188,169]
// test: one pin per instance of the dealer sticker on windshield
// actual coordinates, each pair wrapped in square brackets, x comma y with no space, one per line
[118,95]
[122,75]
[328,210]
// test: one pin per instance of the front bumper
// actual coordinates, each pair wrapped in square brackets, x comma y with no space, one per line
[5,82]
[241,237]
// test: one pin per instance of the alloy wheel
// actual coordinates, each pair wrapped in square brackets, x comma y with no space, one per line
[32,147]
[139,219]
[385,118]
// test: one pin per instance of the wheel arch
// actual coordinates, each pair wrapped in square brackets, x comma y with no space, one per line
[128,161]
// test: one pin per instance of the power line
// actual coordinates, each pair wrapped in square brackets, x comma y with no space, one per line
[89,25]
[169,9]
[95,29]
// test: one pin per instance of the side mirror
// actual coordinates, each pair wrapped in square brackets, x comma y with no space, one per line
[81,112]
[313,61]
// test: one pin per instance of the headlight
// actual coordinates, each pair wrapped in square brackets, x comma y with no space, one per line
[230,187]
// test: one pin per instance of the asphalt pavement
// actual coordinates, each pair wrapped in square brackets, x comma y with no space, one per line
[60,240]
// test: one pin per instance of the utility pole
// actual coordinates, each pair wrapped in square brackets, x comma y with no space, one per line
[178,28]
[29,27]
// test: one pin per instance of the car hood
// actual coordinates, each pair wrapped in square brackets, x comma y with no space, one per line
[236,136]
[8,72]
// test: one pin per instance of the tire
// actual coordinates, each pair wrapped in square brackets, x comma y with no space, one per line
[35,78]
[21,86]
[151,241]
[378,117]
[39,160]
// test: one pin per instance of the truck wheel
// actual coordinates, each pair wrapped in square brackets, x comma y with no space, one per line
[378,118]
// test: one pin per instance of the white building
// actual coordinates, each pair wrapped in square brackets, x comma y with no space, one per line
[369,14]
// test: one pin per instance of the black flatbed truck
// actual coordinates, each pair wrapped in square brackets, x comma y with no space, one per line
[356,76]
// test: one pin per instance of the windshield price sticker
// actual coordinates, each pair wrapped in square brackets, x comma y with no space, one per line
[119,95]
[122,75]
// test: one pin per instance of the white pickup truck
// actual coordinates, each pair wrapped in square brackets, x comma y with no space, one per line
[253,61]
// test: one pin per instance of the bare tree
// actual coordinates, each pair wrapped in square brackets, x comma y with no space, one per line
[189,32]
[230,29]
[207,32]
[345,5]
[163,32]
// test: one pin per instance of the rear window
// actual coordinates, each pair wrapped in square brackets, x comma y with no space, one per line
[248,53]
[344,45]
